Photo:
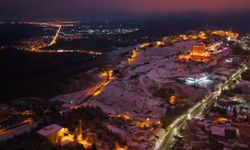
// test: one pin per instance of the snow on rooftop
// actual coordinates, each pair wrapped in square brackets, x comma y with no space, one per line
[50,129]
[169,71]
[217,130]
[117,130]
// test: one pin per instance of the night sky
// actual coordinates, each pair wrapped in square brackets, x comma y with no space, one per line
[73,8]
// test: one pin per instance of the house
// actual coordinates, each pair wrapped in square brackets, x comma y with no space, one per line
[50,132]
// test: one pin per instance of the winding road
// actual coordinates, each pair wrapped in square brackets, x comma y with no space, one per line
[167,140]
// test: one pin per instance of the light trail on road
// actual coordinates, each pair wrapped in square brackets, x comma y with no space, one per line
[56,36]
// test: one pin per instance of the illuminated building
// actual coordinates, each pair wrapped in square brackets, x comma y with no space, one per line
[107,73]
[198,79]
[225,33]
[199,50]
[134,55]
[229,60]
[59,135]
[144,124]
[172,100]
[202,35]
[27,112]
[183,37]
[124,116]
[119,147]
[198,53]
[159,44]
[220,119]
[144,45]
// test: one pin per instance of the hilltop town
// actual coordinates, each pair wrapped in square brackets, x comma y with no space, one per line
[161,92]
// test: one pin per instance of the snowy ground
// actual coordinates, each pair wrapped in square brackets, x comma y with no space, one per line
[133,92]
[153,67]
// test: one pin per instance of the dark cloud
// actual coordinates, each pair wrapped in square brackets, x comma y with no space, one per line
[69,8]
